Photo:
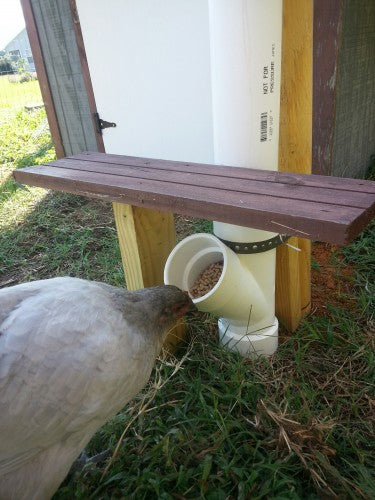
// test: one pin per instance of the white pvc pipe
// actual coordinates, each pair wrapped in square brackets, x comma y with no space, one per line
[245,41]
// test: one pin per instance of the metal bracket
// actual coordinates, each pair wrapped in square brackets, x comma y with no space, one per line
[100,124]
[256,246]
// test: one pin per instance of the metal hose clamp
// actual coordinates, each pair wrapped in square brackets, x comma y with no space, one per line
[256,246]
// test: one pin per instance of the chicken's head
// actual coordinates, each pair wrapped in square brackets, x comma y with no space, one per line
[175,305]
[156,308]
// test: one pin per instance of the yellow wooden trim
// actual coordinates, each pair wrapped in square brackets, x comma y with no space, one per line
[305,275]
[288,296]
[146,237]
[127,238]
[293,285]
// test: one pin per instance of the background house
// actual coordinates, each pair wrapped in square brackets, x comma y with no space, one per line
[19,49]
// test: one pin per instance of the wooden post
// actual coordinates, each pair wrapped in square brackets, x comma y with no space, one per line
[146,238]
[293,284]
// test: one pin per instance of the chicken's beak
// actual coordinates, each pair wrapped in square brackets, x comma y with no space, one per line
[184,307]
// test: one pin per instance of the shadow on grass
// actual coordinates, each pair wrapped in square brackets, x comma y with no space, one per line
[46,234]
[60,235]
[35,158]
[8,186]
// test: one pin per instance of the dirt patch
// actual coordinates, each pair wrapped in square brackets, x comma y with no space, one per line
[184,226]
[331,280]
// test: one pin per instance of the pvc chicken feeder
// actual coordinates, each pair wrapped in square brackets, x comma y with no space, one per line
[236,298]
[245,64]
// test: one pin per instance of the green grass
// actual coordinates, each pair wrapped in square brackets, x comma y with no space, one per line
[13,96]
[47,234]
[62,235]
[297,425]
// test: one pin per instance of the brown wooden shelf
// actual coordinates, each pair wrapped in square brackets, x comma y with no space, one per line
[316,207]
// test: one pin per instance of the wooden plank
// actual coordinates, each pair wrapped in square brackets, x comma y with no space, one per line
[42,77]
[63,69]
[327,28]
[181,198]
[280,190]
[288,296]
[127,238]
[304,273]
[290,177]
[143,191]
[85,72]
[146,237]
[295,143]
[326,222]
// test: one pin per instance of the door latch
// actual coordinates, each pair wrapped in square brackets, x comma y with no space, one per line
[100,124]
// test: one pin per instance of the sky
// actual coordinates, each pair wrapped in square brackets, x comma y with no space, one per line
[11,20]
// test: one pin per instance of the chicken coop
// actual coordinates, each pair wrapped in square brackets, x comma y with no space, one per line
[135,78]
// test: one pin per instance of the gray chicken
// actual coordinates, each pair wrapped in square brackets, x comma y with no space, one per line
[72,354]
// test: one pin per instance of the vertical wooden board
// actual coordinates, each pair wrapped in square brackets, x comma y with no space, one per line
[60,56]
[128,241]
[288,296]
[295,145]
[353,142]
[146,238]
[156,238]
[33,34]
[296,88]
[85,72]
[304,259]
[326,34]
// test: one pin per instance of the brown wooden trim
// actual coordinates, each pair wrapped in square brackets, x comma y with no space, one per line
[45,89]
[326,47]
[85,71]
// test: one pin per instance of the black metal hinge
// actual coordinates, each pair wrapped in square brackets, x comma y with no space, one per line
[100,124]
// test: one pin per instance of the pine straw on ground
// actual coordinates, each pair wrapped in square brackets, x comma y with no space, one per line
[213,425]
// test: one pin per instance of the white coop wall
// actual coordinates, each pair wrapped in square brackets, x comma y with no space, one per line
[149,62]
